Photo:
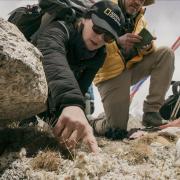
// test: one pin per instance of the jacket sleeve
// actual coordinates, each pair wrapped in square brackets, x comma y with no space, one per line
[63,87]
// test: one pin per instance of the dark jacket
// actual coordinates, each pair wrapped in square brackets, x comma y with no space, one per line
[69,66]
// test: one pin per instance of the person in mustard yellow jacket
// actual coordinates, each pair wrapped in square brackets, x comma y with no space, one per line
[125,65]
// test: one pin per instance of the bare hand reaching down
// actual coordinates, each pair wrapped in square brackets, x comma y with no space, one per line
[73,127]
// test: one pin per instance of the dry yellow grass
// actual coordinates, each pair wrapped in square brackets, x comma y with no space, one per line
[139,153]
[47,160]
[148,139]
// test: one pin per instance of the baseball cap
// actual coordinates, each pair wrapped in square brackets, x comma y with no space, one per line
[108,16]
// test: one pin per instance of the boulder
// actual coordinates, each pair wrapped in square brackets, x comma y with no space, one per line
[23,86]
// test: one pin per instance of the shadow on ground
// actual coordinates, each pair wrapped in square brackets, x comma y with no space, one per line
[14,139]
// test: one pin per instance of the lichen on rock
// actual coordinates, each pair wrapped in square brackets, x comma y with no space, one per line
[23,86]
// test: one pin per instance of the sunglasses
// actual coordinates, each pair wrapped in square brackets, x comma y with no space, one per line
[108,38]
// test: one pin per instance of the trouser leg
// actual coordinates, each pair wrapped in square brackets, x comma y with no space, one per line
[160,66]
[115,98]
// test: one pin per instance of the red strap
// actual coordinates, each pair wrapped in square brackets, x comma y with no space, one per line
[176,44]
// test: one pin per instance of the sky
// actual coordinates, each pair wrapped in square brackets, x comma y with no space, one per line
[163,21]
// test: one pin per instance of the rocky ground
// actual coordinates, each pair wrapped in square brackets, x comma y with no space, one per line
[34,154]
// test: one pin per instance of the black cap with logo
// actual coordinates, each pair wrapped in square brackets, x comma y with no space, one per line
[108,16]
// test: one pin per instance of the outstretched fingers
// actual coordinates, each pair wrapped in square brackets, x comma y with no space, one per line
[90,141]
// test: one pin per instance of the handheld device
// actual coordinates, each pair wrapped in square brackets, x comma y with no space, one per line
[146,38]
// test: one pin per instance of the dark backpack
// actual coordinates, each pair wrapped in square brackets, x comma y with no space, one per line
[171,107]
[28,19]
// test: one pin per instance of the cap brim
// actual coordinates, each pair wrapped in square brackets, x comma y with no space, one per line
[103,24]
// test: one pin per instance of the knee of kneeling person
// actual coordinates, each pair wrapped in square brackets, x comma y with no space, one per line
[167,56]
[168,51]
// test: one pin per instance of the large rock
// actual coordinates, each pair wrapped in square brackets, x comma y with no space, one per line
[23,87]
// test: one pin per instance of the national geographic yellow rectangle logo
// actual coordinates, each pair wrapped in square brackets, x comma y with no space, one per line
[112,15]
